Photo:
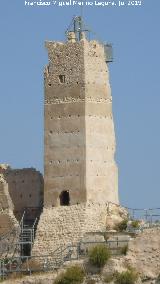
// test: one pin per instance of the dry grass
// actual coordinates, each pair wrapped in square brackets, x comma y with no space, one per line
[15,275]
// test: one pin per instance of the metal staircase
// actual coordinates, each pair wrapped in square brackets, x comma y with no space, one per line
[27,235]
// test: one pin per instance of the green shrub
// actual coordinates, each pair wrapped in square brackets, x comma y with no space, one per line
[5,260]
[122,226]
[126,277]
[73,275]
[135,224]
[99,255]
[124,250]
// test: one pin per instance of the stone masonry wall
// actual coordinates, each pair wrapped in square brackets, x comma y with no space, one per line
[64,225]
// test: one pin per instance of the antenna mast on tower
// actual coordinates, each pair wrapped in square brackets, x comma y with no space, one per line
[77,27]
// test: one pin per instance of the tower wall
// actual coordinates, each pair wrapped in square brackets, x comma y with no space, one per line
[79,129]
[64,123]
[101,169]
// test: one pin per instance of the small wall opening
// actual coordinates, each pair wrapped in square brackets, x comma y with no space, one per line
[64,198]
[62,78]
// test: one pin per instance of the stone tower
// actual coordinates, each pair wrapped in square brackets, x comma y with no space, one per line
[79,128]
[79,144]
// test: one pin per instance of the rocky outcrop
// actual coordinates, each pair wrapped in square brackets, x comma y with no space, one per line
[144,253]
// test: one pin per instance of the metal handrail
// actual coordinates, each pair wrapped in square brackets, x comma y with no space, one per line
[49,262]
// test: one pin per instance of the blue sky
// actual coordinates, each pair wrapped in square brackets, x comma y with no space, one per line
[134,76]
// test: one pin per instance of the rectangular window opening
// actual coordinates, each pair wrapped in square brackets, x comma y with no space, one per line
[62,78]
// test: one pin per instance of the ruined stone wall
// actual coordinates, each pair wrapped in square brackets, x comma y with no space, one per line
[5,199]
[79,130]
[9,227]
[18,189]
[25,188]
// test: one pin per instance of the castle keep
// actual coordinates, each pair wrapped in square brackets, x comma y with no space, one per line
[80,170]
[79,129]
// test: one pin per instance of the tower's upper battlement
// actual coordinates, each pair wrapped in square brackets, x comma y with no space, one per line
[72,63]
